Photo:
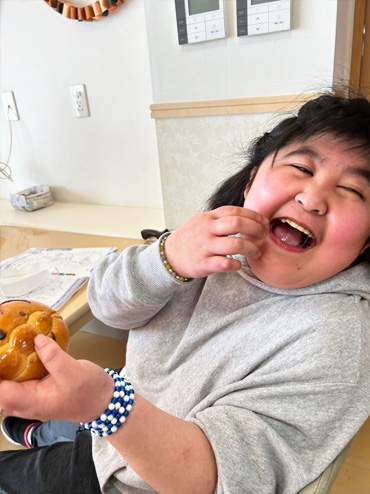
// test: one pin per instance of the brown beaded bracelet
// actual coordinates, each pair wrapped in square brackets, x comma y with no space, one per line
[177,277]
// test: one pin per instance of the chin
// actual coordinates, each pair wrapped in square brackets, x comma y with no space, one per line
[282,278]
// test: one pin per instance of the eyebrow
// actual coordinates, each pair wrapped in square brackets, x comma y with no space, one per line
[360,172]
[311,153]
[305,151]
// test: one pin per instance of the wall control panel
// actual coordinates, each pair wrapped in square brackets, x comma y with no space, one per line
[263,16]
[200,20]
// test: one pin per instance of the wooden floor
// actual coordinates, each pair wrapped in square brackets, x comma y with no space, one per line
[354,477]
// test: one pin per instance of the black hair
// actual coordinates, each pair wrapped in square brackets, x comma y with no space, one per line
[347,118]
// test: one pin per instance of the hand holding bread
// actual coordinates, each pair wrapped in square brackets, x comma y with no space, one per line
[20,322]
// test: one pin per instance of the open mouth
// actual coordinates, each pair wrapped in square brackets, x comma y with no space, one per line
[292,234]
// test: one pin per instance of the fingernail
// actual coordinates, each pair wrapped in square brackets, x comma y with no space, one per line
[41,340]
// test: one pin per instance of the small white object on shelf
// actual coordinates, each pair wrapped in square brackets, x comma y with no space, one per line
[35,197]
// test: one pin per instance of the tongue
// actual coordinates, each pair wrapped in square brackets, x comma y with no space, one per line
[288,235]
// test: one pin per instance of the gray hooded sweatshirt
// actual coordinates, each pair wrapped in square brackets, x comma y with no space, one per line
[278,380]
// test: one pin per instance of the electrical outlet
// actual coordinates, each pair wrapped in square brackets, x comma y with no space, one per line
[79,100]
[10,107]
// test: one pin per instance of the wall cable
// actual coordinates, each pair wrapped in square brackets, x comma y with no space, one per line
[5,170]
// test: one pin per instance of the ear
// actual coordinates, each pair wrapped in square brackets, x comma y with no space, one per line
[250,181]
[366,246]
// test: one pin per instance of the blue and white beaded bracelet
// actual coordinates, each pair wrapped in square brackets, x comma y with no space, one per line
[118,409]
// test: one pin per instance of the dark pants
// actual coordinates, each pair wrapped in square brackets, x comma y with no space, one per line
[62,468]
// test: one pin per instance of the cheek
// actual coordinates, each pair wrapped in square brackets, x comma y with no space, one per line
[349,235]
[265,197]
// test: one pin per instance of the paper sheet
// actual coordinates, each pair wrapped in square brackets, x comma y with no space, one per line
[71,270]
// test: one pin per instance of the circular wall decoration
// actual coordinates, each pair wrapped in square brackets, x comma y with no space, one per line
[96,10]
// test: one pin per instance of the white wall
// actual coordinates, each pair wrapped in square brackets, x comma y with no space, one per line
[109,158]
[289,62]
[130,60]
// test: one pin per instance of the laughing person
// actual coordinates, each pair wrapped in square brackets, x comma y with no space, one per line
[248,354]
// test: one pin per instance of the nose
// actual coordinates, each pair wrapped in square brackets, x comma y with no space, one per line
[313,200]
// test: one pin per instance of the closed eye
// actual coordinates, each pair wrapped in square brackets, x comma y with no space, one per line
[353,191]
[303,169]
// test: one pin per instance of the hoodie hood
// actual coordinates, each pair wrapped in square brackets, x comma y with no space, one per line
[354,280]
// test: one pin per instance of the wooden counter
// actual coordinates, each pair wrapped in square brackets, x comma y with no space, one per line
[15,240]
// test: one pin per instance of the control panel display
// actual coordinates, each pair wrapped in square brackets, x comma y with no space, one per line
[199,20]
[258,2]
[202,6]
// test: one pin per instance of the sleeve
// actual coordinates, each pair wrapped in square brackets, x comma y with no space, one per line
[127,290]
[278,428]
[278,444]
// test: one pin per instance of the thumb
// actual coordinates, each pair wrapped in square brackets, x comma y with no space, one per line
[55,359]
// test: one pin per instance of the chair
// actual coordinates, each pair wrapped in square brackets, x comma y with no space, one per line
[324,483]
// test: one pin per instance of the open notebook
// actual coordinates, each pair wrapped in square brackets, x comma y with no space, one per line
[65,271]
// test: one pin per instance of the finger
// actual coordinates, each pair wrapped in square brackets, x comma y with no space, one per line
[232,225]
[241,212]
[56,361]
[224,246]
[222,264]
[21,399]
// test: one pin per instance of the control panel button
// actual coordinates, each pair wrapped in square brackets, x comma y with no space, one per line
[195,19]
[242,21]
[260,9]
[258,28]
[213,16]
[279,20]
[278,6]
[242,30]
[215,29]
[197,37]
[258,18]
[196,28]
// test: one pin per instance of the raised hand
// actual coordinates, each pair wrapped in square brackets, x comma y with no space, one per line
[201,245]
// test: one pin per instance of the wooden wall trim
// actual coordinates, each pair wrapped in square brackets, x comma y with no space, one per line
[241,106]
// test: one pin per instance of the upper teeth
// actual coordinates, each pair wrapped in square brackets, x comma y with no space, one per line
[298,227]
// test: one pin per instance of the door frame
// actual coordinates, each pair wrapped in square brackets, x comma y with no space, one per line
[360,60]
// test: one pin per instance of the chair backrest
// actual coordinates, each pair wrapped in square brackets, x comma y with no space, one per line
[324,483]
